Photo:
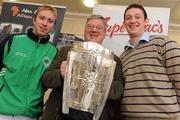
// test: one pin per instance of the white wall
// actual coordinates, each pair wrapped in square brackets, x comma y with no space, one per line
[74,26]
[175,35]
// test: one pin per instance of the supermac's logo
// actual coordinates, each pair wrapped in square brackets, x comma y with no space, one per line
[15,10]
[120,29]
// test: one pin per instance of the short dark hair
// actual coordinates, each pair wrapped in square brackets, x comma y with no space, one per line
[136,6]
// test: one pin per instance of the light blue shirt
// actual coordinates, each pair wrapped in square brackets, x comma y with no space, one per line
[144,38]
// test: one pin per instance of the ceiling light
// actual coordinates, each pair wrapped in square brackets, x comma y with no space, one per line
[89,3]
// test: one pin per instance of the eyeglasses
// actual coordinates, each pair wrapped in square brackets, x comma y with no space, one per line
[97,27]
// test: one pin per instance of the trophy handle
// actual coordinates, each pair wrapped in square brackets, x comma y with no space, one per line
[66,86]
[99,110]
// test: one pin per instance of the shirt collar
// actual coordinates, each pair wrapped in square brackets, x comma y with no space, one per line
[144,38]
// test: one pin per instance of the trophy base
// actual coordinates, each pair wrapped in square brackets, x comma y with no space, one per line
[78,106]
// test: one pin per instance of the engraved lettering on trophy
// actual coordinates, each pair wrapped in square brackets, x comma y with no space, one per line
[87,81]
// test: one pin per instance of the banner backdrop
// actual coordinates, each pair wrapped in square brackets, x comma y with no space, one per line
[117,36]
[19,15]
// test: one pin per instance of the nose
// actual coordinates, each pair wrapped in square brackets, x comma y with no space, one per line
[94,28]
[45,22]
[133,19]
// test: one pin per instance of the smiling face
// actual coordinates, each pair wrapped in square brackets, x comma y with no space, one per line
[135,22]
[44,22]
[95,30]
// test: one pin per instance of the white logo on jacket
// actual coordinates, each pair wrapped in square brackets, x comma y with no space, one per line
[46,61]
[21,54]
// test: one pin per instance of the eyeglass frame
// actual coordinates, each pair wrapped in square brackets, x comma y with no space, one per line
[99,27]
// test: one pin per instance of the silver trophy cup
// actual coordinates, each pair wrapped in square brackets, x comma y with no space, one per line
[88,78]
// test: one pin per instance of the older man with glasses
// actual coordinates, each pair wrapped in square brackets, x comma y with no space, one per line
[95,31]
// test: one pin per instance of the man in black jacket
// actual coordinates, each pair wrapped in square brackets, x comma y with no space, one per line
[94,31]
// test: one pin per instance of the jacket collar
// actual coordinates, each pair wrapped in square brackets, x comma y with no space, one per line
[36,38]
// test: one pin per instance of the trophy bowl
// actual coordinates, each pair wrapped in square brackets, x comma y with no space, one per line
[88,78]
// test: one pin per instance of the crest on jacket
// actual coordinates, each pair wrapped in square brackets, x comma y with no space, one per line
[46,62]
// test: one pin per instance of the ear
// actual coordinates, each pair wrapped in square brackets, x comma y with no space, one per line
[33,19]
[124,25]
[146,21]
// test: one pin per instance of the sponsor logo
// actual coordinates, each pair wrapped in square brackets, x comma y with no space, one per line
[22,12]
[21,54]
[119,29]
